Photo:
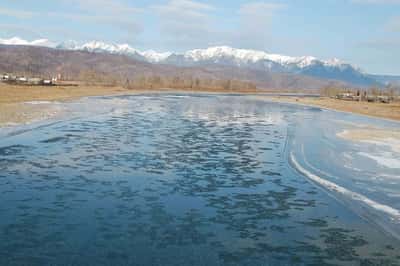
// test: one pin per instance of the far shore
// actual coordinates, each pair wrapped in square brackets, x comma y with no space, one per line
[389,111]
[17,103]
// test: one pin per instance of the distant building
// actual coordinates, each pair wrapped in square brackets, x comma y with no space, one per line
[5,77]
[22,79]
[384,99]
[47,82]
[346,96]
[32,81]
[9,78]
[35,81]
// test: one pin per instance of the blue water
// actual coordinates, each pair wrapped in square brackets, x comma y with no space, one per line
[191,180]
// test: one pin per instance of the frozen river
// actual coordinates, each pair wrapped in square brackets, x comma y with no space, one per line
[197,179]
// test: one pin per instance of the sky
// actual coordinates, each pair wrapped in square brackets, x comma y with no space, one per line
[365,33]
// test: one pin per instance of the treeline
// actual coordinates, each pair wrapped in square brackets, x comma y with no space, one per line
[157,82]
[389,90]
[160,82]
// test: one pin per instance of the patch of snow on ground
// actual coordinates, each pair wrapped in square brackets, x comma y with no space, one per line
[386,159]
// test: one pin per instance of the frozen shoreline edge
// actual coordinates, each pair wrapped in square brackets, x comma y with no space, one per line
[364,202]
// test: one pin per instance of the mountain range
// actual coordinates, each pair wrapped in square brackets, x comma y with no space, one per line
[228,57]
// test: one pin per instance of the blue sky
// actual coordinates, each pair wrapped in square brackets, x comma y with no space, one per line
[363,32]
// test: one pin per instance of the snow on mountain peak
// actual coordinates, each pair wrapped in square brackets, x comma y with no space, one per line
[247,56]
[227,52]
[215,54]
[333,62]
[68,45]
[155,57]
[221,55]
[94,46]
[19,41]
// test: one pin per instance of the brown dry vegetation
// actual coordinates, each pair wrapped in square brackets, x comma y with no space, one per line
[111,68]
[18,94]
[381,110]
[12,99]
[13,109]
[151,82]
[105,74]
[389,90]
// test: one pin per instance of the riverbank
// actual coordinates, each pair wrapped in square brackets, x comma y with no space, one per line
[380,110]
[19,104]
[23,104]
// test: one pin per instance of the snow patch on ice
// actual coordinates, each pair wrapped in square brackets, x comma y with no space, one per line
[386,159]
[394,213]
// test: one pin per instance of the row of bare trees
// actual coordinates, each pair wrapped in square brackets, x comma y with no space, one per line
[92,78]
[159,82]
[389,90]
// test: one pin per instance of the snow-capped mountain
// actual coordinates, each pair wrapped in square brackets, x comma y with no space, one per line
[262,61]
[155,57]
[19,41]
[101,47]
[122,49]
[242,56]
[219,54]
[222,55]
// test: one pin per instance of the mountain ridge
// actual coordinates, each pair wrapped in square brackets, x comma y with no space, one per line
[85,65]
[332,69]
[157,57]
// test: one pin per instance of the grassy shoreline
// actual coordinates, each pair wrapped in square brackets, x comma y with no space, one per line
[15,107]
[384,111]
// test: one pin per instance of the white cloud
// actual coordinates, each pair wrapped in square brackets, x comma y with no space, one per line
[182,5]
[20,14]
[257,8]
[184,11]
[182,24]
[255,23]
[186,23]
[381,44]
[376,1]
[103,7]
[124,23]
[116,14]
[393,24]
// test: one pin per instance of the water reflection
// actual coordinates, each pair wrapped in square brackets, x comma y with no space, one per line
[166,180]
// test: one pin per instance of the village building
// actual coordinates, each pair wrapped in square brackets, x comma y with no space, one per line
[349,96]
[22,80]
[47,82]
[35,81]
[5,77]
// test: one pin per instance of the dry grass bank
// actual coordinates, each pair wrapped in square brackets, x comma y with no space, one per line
[15,110]
[18,94]
[381,110]
[13,107]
